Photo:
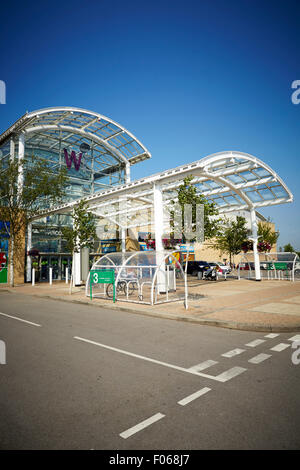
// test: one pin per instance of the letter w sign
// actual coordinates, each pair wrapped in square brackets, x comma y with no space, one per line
[74,158]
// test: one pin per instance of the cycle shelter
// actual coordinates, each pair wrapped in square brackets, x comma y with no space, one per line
[146,277]
[273,266]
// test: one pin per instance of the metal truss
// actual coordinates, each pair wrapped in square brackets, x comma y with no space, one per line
[50,128]
[232,180]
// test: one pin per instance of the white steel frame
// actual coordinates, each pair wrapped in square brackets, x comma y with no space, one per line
[232,180]
[157,281]
[271,258]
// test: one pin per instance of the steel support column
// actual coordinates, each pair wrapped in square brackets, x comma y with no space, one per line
[123,239]
[77,269]
[255,241]
[158,228]
[127,173]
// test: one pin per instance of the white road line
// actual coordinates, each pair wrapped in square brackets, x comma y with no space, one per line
[272,335]
[227,375]
[280,347]
[259,358]
[256,342]
[230,374]
[142,425]
[192,397]
[20,319]
[234,352]
[203,365]
[295,338]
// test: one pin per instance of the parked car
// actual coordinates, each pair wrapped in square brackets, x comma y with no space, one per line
[223,268]
[246,266]
[195,267]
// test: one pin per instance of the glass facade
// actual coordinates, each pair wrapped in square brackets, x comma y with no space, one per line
[95,151]
[86,174]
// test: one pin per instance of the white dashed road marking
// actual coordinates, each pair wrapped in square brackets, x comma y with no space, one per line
[280,347]
[234,352]
[195,395]
[295,338]
[272,335]
[230,374]
[19,319]
[255,343]
[203,365]
[224,377]
[259,358]
[142,425]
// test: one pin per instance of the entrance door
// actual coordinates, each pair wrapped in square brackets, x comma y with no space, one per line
[58,264]
[66,262]
[44,268]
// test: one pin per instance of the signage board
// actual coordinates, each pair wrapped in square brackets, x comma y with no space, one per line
[278,266]
[3,267]
[102,276]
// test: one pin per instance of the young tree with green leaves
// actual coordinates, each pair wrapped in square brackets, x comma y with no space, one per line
[288,248]
[232,236]
[187,194]
[83,232]
[266,234]
[25,187]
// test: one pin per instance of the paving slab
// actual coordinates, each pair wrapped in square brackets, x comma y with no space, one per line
[293,300]
[278,307]
[270,306]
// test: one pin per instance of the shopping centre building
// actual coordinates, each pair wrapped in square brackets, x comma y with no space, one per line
[98,154]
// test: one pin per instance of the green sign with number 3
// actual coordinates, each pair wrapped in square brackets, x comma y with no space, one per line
[102,277]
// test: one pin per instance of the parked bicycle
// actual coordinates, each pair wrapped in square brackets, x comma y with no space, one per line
[122,287]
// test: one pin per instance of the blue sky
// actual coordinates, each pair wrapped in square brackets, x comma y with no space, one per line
[187,78]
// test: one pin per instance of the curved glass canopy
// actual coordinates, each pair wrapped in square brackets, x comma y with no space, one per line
[78,126]
[232,180]
[96,151]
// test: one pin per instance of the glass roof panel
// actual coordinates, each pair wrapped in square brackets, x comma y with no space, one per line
[253,196]
[231,200]
[218,201]
[213,184]
[248,175]
[235,179]
[261,172]
[279,191]
[266,194]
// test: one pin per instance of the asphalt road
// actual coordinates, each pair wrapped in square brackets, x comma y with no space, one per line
[83,377]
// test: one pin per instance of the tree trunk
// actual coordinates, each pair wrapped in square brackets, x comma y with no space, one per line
[11,262]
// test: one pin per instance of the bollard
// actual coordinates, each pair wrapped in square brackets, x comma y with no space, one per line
[50,276]
[67,275]
[33,277]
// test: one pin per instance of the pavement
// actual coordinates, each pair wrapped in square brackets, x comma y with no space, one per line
[237,304]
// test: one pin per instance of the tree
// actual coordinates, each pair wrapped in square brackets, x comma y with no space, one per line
[83,232]
[266,234]
[233,235]
[288,248]
[187,194]
[25,187]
